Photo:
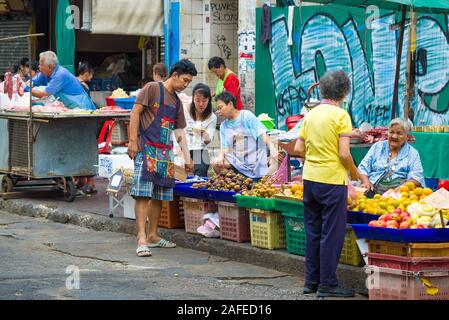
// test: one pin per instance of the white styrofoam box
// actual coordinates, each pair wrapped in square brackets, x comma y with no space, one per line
[128,207]
[108,164]
[15,101]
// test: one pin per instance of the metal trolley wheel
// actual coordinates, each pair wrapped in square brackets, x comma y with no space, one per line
[68,188]
[7,184]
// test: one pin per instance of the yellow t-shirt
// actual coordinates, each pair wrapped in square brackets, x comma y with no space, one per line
[321,130]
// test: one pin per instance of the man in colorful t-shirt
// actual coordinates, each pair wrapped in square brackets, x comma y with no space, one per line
[227,80]
[157,113]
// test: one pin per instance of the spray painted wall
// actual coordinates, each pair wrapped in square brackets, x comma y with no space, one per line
[335,37]
[209,28]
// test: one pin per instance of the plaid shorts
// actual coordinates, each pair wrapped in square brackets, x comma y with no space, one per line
[147,189]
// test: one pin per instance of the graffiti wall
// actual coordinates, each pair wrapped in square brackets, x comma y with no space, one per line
[335,37]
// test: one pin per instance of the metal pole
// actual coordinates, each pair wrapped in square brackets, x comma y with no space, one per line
[411,50]
[398,64]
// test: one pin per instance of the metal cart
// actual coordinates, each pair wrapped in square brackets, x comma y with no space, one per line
[54,147]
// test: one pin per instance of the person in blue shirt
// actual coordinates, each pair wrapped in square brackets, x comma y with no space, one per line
[392,163]
[60,83]
[244,141]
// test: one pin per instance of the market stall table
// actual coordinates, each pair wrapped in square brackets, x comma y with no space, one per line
[49,146]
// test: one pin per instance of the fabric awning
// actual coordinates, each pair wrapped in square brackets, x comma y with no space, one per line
[139,18]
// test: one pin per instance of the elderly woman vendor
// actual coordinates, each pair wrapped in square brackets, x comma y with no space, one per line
[392,163]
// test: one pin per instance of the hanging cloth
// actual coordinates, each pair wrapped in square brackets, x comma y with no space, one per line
[266,32]
[65,37]
[291,15]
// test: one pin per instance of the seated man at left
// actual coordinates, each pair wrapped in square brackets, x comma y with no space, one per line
[59,82]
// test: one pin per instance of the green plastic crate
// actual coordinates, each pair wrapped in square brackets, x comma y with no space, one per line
[295,233]
[293,207]
[255,203]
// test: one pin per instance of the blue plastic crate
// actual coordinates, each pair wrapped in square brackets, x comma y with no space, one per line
[186,190]
[125,103]
[364,231]
[356,217]
[432,183]
[222,196]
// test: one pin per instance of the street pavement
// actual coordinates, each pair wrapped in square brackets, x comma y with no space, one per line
[35,255]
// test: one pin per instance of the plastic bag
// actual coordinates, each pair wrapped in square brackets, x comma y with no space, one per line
[211,226]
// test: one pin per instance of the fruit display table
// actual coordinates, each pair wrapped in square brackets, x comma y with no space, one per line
[433,149]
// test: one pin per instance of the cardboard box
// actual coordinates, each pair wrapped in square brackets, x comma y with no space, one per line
[109,164]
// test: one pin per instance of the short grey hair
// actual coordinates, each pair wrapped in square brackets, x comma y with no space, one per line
[335,85]
[50,58]
[401,122]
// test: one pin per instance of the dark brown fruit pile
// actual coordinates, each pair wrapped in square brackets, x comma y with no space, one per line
[228,181]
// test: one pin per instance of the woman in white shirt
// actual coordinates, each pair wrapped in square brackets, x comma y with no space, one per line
[200,130]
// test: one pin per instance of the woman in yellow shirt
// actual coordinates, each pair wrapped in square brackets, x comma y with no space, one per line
[324,141]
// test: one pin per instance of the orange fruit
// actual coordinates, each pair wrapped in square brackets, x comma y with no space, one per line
[404,188]
[427,191]
[410,185]
[418,191]
[294,188]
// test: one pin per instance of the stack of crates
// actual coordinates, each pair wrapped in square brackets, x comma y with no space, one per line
[172,214]
[194,210]
[267,229]
[234,222]
[408,271]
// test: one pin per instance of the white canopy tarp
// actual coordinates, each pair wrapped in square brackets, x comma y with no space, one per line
[128,17]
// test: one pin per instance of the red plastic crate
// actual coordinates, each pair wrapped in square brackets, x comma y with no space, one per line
[415,264]
[234,222]
[393,284]
[194,210]
[172,214]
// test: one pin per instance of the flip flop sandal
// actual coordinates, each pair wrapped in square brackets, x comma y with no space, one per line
[143,251]
[162,244]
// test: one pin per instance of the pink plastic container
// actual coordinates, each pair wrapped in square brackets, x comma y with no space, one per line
[234,222]
[393,284]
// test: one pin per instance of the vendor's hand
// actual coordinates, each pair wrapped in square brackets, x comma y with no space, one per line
[133,148]
[219,161]
[189,167]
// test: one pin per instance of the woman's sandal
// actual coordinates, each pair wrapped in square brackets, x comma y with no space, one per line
[143,251]
[162,244]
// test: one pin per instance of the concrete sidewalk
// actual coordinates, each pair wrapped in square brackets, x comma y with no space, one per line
[92,212]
